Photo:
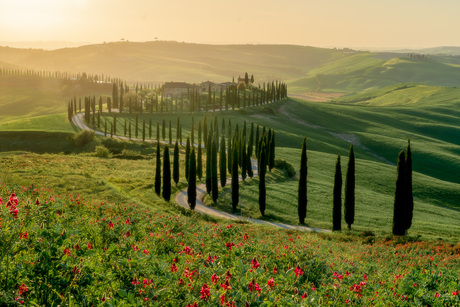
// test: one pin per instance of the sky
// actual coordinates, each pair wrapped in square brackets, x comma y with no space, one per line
[320,23]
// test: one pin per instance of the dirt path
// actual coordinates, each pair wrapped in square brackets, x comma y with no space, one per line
[350,138]
[181,197]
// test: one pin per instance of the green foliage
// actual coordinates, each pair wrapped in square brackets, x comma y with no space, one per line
[158,170]
[83,137]
[262,188]
[191,189]
[176,164]
[235,184]
[166,192]
[101,152]
[399,227]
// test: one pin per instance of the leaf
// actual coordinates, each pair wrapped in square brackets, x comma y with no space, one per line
[122,293]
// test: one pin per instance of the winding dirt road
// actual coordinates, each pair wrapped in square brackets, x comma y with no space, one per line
[181,197]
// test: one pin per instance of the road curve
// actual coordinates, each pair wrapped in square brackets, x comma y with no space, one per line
[181,197]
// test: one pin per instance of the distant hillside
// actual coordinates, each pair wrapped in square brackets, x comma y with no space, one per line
[167,61]
[304,68]
[369,71]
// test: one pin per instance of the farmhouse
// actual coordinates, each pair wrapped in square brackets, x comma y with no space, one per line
[174,89]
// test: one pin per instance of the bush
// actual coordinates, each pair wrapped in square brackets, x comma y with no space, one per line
[102,152]
[84,137]
[129,154]
[286,167]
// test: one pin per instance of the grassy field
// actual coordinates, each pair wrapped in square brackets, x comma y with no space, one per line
[378,132]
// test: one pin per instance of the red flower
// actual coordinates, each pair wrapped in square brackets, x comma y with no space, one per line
[271,282]
[134,282]
[253,286]
[23,235]
[275,270]
[110,224]
[173,267]
[214,278]
[228,275]
[128,222]
[128,234]
[226,285]
[305,295]
[205,293]
[246,237]
[23,289]
[229,245]
[181,282]
[90,245]
[67,251]
[255,264]
[223,300]
[146,252]
[298,271]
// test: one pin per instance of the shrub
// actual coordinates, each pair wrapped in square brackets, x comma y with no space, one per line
[84,137]
[101,152]
[286,167]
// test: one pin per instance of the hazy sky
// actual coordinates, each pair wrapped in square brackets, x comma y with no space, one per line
[323,23]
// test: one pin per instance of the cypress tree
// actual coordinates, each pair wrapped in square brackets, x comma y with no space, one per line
[223,162]
[158,171]
[187,158]
[302,198]
[214,178]
[399,225]
[350,189]
[205,132]
[249,151]
[143,130]
[166,175]
[244,163]
[200,161]
[262,189]
[410,199]
[235,183]
[230,149]
[337,201]
[176,164]
[192,132]
[191,189]
[208,165]
[271,162]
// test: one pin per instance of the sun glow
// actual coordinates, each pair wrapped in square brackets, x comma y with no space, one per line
[35,17]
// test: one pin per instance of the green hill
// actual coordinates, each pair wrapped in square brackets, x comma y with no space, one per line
[368,71]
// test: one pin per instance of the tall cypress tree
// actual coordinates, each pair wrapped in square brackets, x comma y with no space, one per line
[166,175]
[208,165]
[176,164]
[249,154]
[262,189]
[191,189]
[230,150]
[271,162]
[200,158]
[244,163]
[214,178]
[235,183]
[410,199]
[399,225]
[223,162]
[337,201]
[158,171]
[350,189]
[302,198]
[187,158]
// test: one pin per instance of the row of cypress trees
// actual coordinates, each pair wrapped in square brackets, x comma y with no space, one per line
[403,202]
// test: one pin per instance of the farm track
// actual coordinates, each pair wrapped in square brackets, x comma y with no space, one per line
[181,197]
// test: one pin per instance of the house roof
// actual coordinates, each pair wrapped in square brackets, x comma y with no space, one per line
[177,85]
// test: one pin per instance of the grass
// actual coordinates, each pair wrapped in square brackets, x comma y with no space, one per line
[379,132]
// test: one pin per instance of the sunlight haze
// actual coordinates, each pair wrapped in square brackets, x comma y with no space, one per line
[354,23]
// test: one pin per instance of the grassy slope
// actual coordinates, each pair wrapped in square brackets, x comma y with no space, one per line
[27,97]
[370,71]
